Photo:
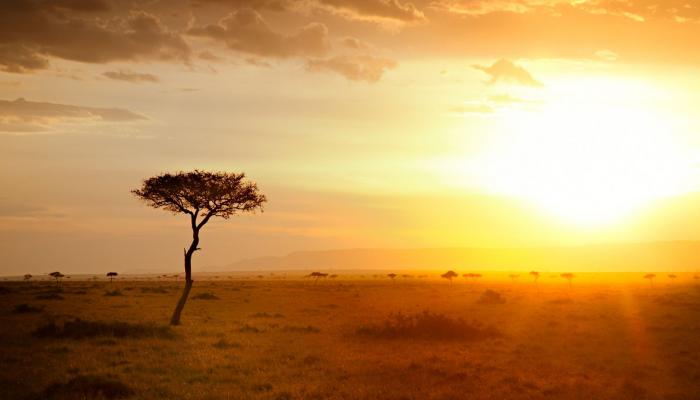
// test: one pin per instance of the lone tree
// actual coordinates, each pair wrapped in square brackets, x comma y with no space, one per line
[449,275]
[672,277]
[513,277]
[651,279]
[27,277]
[392,276]
[57,276]
[568,276]
[535,276]
[317,276]
[201,195]
[111,276]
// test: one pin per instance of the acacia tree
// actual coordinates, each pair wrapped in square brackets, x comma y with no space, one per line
[111,276]
[651,279]
[392,276]
[535,276]
[449,275]
[513,277]
[27,277]
[57,276]
[201,195]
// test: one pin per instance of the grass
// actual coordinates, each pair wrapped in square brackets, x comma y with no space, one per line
[205,296]
[27,309]
[598,340]
[80,329]
[87,387]
[429,326]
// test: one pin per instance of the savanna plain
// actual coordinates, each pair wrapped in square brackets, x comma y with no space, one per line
[278,336]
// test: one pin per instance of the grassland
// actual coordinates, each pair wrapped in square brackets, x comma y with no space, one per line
[274,338]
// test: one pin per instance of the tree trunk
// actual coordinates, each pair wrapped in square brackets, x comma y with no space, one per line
[175,320]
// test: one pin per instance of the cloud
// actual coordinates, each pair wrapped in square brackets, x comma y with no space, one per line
[130,76]
[15,209]
[80,30]
[22,116]
[507,71]
[246,31]
[354,67]
[274,5]
[393,10]
[474,108]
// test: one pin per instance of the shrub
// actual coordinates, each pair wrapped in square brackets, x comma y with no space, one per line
[113,293]
[27,309]
[79,329]
[87,387]
[205,296]
[301,329]
[157,289]
[49,296]
[428,325]
[491,297]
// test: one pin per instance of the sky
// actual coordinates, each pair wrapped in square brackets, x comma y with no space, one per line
[367,123]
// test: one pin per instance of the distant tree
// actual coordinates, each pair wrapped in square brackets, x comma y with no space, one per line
[27,277]
[535,276]
[392,276]
[407,276]
[317,275]
[569,277]
[111,276]
[57,276]
[672,277]
[449,275]
[651,279]
[513,277]
[332,276]
[200,195]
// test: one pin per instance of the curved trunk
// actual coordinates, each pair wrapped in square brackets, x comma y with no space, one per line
[175,320]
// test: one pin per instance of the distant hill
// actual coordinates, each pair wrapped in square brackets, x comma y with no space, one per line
[653,256]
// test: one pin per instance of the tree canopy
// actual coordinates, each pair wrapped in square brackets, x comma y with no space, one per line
[202,194]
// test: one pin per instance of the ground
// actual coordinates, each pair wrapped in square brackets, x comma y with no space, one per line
[283,338]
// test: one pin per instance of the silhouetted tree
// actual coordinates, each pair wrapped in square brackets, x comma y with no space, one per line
[449,275]
[535,276]
[568,276]
[392,276]
[513,277]
[672,277]
[27,277]
[201,195]
[651,279]
[111,276]
[57,276]
[317,275]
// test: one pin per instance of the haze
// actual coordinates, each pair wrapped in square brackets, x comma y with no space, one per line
[368,124]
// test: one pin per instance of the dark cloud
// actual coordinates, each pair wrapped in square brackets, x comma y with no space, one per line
[274,5]
[505,71]
[354,67]
[130,76]
[246,31]
[80,30]
[22,116]
[376,9]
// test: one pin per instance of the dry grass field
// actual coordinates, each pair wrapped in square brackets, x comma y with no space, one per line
[353,338]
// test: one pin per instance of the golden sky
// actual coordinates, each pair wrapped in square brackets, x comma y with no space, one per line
[368,123]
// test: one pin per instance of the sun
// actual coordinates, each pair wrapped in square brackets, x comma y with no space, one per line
[587,161]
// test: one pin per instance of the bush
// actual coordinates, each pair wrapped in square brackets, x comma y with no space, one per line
[157,289]
[491,297]
[49,296]
[79,329]
[27,309]
[87,387]
[205,296]
[113,293]
[428,325]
